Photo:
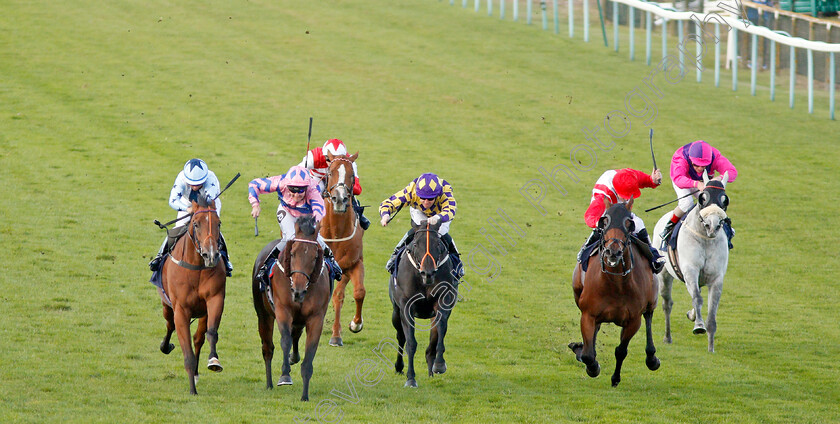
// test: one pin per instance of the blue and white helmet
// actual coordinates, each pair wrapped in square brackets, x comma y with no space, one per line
[195,172]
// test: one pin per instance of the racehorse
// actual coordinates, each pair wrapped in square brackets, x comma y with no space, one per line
[297,297]
[342,232]
[617,288]
[193,280]
[424,287]
[702,256]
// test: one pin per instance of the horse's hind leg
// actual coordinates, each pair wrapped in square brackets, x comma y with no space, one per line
[666,283]
[651,360]
[715,290]
[266,328]
[215,307]
[296,332]
[627,333]
[431,351]
[169,316]
[338,302]
[358,277]
[198,342]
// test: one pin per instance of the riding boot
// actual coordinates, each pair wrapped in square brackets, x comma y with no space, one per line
[224,251]
[657,261]
[730,232]
[335,270]
[265,269]
[360,212]
[403,242]
[666,232]
[457,265]
[594,237]
[155,263]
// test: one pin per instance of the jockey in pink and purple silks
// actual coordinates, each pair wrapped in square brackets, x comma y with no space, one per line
[298,195]
[687,166]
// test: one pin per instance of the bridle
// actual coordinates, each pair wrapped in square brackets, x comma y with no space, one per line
[624,244]
[427,254]
[342,183]
[349,190]
[195,243]
[703,221]
[296,271]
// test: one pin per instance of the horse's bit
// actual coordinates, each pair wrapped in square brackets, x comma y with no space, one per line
[624,244]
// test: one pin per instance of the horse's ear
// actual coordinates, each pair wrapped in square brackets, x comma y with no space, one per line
[705,177]
[607,202]
[353,157]
[286,259]
[725,178]
[330,157]
[629,205]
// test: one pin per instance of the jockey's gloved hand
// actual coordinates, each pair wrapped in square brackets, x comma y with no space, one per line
[384,220]
[434,219]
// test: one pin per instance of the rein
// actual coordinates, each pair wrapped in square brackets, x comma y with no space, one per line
[427,253]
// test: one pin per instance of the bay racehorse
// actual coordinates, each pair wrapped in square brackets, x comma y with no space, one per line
[193,280]
[343,234]
[423,287]
[618,287]
[701,258]
[296,298]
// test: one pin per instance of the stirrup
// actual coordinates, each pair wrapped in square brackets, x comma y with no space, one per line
[154,264]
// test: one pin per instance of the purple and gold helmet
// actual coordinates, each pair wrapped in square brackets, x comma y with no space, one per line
[428,186]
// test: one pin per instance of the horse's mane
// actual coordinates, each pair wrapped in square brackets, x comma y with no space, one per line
[306,223]
[712,210]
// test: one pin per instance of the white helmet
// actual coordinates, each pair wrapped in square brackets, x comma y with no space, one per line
[195,172]
[335,147]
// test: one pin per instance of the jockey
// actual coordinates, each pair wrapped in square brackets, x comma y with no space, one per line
[687,166]
[317,162]
[620,186]
[430,198]
[196,180]
[298,195]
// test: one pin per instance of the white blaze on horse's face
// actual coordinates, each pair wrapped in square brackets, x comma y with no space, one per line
[339,192]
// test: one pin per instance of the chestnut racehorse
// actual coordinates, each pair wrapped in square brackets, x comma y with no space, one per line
[342,232]
[193,280]
[617,287]
[298,298]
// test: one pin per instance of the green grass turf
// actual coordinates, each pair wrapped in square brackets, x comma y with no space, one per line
[102,102]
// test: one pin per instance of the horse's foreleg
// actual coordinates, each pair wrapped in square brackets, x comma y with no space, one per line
[314,325]
[166,346]
[215,308]
[396,321]
[182,327]
[696,312]
[627,333]
[586,352]
[338,302]
[666,283]
[284,324]
[651,360]
[358,277]
[715,290]
[410,347]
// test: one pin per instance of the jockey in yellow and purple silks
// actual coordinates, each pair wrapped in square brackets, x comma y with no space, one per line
[687,166]
[429,197]
[298,195]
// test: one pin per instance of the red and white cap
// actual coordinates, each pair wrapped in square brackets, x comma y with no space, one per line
[335,147]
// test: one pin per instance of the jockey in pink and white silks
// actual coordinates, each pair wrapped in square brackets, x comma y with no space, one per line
[298,195]
[318,164]
[687,167]
[195,181]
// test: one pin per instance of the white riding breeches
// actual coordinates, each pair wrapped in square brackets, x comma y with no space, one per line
[687,201]
[417,216]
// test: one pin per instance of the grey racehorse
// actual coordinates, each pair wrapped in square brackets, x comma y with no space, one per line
[702,258]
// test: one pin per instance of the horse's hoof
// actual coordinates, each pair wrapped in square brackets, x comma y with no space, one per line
[166,349]
[690,315]
[285,380]
[652,363]
[615,382]
[412,384]
[439,368]
[667,339]
[304,398]
[294,358]
[214,365]
[336,341]
[356,328]
[699,330]
[594,371]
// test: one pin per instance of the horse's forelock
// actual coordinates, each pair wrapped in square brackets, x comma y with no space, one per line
[713,209]
[307,224]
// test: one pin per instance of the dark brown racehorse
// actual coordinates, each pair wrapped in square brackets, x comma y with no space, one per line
[424,287]
[342,232]
[299,298]
[618,287]
[193,279]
